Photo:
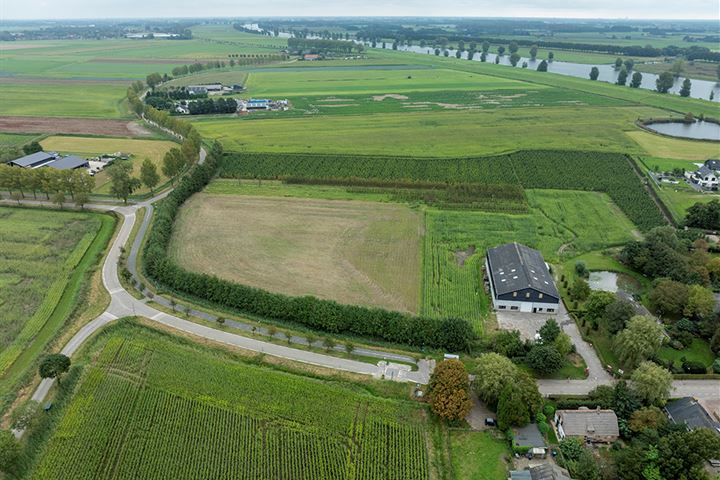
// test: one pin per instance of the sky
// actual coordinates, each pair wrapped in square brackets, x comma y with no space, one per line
[635,9]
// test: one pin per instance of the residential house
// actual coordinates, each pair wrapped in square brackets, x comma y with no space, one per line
[597,426]
[546,471]
[691,413]
[520,280]
[707,176]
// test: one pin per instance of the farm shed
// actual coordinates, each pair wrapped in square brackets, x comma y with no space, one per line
[529,436]
[544,471]
[520,280]
[690,412]
[69,163]
[599,426]
[34,160]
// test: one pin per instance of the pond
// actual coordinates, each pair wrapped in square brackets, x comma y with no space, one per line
[613,282]
[695,130]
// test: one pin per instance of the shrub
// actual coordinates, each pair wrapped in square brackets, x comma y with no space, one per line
[694,367]
[544,359]
[716,365]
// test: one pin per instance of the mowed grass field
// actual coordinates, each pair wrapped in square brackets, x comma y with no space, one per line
[92,146]
[150,405]
[437,133]
[361,253]
[63,99]
[674,148]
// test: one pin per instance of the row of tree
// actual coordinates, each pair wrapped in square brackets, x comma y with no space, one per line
[56,185]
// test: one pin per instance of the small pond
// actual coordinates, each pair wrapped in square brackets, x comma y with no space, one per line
[695,130]
[612,282]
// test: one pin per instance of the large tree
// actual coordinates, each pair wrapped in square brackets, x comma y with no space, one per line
[636,80]
[617,314]
[122,183]
[652,383]
[596,304]
[449,391]
[685,89]
[511,410]
[594,73]
[549,331]
[700,302]
[683,454]
[492,374]
[648,417]
[149,175]
[669,297]
[664,82]
[544,359]
[642,338]
[54,365]
[543,66]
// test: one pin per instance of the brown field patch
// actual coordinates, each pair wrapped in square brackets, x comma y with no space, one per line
[353,252]
[83,126]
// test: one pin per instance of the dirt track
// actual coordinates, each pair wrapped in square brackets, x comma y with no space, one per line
[86,126]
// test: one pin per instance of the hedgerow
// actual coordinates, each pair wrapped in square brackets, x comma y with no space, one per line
[611,173]
[451,334]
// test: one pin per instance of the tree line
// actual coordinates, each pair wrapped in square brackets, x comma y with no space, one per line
[316,45]
[54,184]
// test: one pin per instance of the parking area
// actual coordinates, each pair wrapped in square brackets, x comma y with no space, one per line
[526,323]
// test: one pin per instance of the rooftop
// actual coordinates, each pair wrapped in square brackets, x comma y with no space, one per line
[68,163]
[515,267]
[33,159]
[529,436]
[591,423]
[688,411]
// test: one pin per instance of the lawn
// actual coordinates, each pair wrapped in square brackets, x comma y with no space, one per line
[478,455]
[44,256]
[376,81]
[150,405]
[91,100]
[699,351]
[436,133]
[665,147]
[354,252]
[14,139]
[92,146]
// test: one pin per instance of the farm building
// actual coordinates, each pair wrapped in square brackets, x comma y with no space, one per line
[34,160]
[69,163]
[544,471]
[311,57]
[520,280]
[600,426]
[690,412]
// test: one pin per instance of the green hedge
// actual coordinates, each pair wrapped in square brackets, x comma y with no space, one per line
[451,334]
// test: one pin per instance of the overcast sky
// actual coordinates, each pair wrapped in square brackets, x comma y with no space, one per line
[57,9]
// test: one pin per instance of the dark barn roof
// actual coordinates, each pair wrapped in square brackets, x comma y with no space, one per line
[516,267]
[529,436]
[69,163]
[689,412]
[33,159]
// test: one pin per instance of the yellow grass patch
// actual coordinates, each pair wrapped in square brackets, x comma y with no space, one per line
[664,147]
[353,252]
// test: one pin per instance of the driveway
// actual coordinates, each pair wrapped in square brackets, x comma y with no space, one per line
[528,325]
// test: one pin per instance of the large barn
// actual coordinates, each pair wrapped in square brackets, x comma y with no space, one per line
[520,280]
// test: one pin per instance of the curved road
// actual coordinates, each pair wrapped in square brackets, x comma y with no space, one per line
[123,304]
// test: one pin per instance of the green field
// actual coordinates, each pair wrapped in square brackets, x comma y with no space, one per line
[14,139]
[699,351]
[153,406]
[437,133]
[92,100]
[477,455]
[44,256]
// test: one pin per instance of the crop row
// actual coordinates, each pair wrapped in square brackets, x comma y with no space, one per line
[543,169]
[115,428]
